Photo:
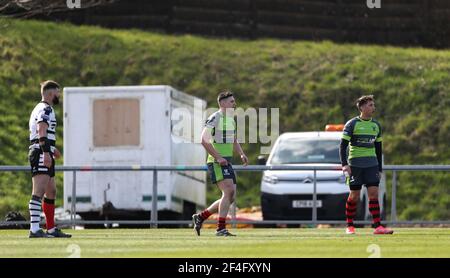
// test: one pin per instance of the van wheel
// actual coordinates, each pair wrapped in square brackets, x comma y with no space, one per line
[266,217]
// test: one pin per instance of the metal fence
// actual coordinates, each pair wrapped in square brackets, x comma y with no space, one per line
[153,221]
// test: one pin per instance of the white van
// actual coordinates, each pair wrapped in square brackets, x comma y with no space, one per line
[288,195]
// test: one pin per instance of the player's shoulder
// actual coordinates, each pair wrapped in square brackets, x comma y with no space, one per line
[376,122]
[216,114]
[213,118]
[48,109]
[352,122]
[39,107]
[43,106]
[42,110]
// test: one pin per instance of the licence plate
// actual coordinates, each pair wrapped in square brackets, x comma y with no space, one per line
[306,203]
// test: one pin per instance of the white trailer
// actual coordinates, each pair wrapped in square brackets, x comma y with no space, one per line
[132,125]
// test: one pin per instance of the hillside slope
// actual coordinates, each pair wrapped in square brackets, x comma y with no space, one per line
[312,83]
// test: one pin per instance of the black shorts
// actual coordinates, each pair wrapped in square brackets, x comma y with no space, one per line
[36,158]
[219,173]
[369,176]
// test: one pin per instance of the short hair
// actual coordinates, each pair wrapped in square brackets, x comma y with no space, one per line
[224,95]
[363,100]
[48,85]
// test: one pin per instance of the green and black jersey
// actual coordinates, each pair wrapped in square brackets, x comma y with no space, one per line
[223,131]
[364,137]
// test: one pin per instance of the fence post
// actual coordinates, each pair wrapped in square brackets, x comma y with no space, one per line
[233,211]
[253,14]
[394,197]
[154,213]
[73,208]
[314,212]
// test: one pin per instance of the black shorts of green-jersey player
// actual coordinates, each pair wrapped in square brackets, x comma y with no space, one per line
[364,138]
[219,173]
[369,176]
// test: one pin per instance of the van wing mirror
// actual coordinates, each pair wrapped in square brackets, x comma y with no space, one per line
[262,160]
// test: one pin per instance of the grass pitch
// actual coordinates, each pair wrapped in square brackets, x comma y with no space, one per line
[257,243]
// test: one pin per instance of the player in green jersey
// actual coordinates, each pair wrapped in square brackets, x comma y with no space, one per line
[219,139]
[364,163]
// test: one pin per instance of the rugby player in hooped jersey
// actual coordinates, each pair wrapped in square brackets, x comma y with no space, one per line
[42,154]
[364,163]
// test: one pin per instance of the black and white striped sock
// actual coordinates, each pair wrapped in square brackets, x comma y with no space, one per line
[35,207]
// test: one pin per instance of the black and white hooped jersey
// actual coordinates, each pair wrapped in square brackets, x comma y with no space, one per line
[43,112]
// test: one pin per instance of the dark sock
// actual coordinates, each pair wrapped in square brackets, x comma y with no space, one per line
[221,223]
[350,211]
[374,208]
[205,214]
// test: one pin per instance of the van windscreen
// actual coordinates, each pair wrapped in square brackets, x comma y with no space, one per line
[302,151]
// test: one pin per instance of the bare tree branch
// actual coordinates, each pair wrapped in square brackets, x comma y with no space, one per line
[29,8]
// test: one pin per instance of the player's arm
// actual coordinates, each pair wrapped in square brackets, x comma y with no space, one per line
[44,143]
[379,150]
[206,142]
[379,153]
[343,155]
[237,148]
[56,153]
[346,137]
